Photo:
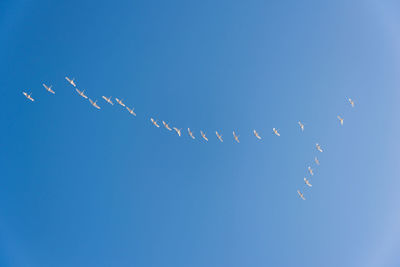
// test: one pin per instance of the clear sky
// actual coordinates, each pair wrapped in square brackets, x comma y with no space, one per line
[84,187]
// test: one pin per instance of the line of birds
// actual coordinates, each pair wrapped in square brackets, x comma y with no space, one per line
[178,131]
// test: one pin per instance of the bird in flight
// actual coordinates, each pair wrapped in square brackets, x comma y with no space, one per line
[119,101]
[316,160]
[28,96]
[236,137]
[166,125]
[310,171]
[256,134]
[351,102]
[81,93]
[276,132]
[48,88]
[154,122]
[318,147]
[131,111]
[178,131]
[203,135]
[71,81]
[301,195]
[219,136]
[191,134]
[301,125]
[307,182]
[340,119]
[94,103]
[108,100]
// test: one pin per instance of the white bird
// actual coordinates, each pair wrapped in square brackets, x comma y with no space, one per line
[94,103]
[236,137]
[310,171]
[316,160]
[71,81]
[178,131]
[48,88]
[108,100]
[28,96]
[131,111]
[340,119]
[276,132]
[191,134]
[81,93]
[203,135]
[318,147]
[351,102]
[301,195]
[119,101]
[256,134]
[154,122]
[166,125]
[219,136]
[301,125]
[307,182]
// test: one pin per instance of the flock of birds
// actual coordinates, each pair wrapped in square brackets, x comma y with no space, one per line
[178,131]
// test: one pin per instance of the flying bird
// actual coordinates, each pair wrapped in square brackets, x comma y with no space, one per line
[340,119]
[310,171]
[307,182]
[191,134]
[316,160]
[94,103]
[81,93]
[28,96]
[178,131]
[203,135]
[236,137]
[351,102]
[219,136]
[166,125]
[131,111]
[48,88]
[71,81]
[154,122]
[318,147]
[256,134]
[301,125]
[108,100]
[119,101]
[276,132]
[301,195]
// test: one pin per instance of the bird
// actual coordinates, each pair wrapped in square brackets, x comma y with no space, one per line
[178,131]
[340,119]
[318,147]
[71,81]
[48,88]
[276,132]
[94,103]
[119,101]
[191,134]
[131,111]
[310,171]
[154,122]
[316,160]
[166,125]
[219,136]
[203,135]
[301,195]
[351,102]
[81,93]
[307,182]
[301,125]
[236,137]
[28,96]
[256,134]
[108,100]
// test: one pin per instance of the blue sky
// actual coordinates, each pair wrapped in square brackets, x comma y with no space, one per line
[87,187]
